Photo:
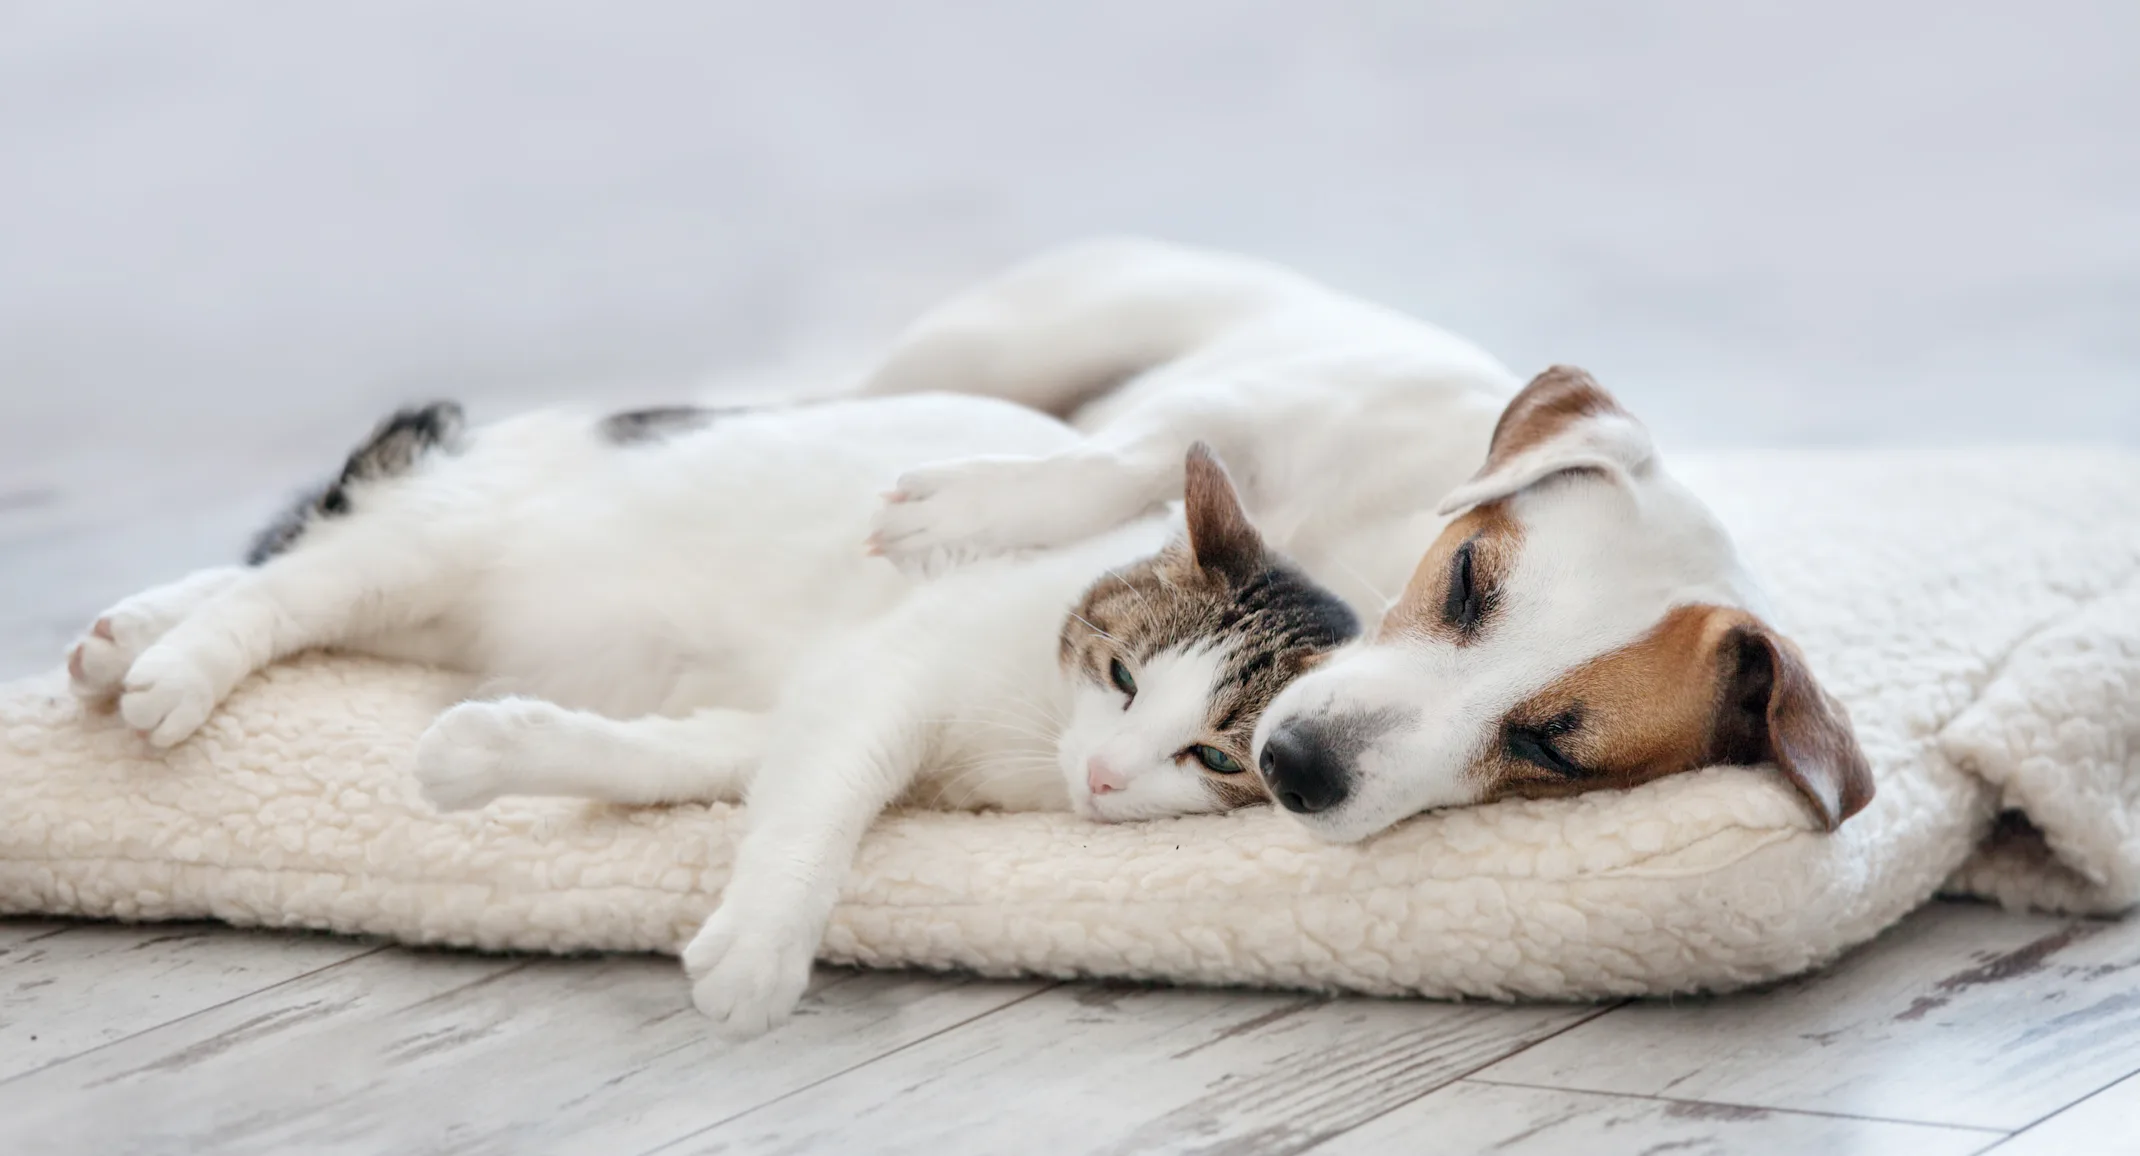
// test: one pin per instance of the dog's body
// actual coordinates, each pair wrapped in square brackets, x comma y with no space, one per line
[1557,613]
[1342,422]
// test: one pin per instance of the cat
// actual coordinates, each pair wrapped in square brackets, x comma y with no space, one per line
[679,603]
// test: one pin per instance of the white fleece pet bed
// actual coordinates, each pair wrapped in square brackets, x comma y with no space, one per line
[1979,613]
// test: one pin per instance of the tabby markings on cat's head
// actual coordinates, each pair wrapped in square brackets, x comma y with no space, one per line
[1176,657]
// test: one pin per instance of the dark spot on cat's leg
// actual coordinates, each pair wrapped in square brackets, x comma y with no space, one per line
[638,426]
[394,447]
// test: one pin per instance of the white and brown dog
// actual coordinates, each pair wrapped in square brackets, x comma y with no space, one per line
[1570,617]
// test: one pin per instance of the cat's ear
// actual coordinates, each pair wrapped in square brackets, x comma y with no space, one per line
[1221,537]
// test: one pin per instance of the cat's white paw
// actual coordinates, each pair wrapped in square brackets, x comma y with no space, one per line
[101,659]
[166,696]
[749,973]
[939,515]
[466,757]
[97,665]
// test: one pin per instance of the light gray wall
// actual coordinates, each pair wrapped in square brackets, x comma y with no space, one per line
[231,233]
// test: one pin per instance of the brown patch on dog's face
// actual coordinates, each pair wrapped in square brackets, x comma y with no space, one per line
[1708,685]
[1553,401]
[1619,720]
[1454,592]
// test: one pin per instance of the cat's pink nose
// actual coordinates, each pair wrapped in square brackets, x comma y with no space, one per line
[1103,778]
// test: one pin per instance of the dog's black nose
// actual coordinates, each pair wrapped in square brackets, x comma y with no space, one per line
[1305,771]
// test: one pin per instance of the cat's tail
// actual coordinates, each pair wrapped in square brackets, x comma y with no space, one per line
[399,441]
[1066,327]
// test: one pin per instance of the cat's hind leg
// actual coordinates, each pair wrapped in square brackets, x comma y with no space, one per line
[97,663]
[371,553]
[480,751]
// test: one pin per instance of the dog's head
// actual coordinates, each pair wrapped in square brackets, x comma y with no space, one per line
[1582,623]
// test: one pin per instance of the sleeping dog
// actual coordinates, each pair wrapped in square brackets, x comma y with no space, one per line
[1556,613]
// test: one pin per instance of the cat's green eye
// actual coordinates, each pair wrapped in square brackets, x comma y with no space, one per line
[1217,759]
[1123,682]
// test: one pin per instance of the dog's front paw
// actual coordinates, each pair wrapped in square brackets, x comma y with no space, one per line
[466,757]
[748,974]
[166,696]
[939,515]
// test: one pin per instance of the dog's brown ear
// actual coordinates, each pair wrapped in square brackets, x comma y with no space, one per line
[1772,711]
[1224,541]
[1563,420]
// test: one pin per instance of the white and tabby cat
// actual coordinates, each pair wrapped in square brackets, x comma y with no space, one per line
[679,600]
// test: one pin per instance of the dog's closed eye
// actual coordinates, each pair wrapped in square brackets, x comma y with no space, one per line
[1539,744]
[1468,600]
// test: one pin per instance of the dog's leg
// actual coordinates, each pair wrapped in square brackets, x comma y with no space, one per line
[1056,333]
[480,751]
[1067,326]
[941,514]
[99,660]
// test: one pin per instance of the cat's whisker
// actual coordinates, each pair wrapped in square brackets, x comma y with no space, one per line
[1373,589]
[976,777]
[1041,711]
[1040,736]
[1128,585]
[1044,734]
[1095,629]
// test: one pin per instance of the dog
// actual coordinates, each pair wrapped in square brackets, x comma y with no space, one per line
[1556,614]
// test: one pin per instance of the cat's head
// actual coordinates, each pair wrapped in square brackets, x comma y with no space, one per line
[1174,658]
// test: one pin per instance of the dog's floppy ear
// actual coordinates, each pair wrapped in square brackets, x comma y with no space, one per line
[1771,711]
[1563,420]
[1221,537]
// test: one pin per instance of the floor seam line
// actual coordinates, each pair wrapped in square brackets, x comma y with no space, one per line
[1467,1074]
[1991,1129]
[218,1005]
[886,1054]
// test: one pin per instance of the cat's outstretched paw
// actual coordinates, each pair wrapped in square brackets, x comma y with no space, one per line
[96,664]
[749,973]
[937,516]
[166,696]
[465,758]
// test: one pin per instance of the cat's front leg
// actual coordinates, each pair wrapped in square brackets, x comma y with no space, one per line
[98,661]
[751,961]
[480,751]
[829,773]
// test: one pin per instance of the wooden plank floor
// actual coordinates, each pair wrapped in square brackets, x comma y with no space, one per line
[1963,1030]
